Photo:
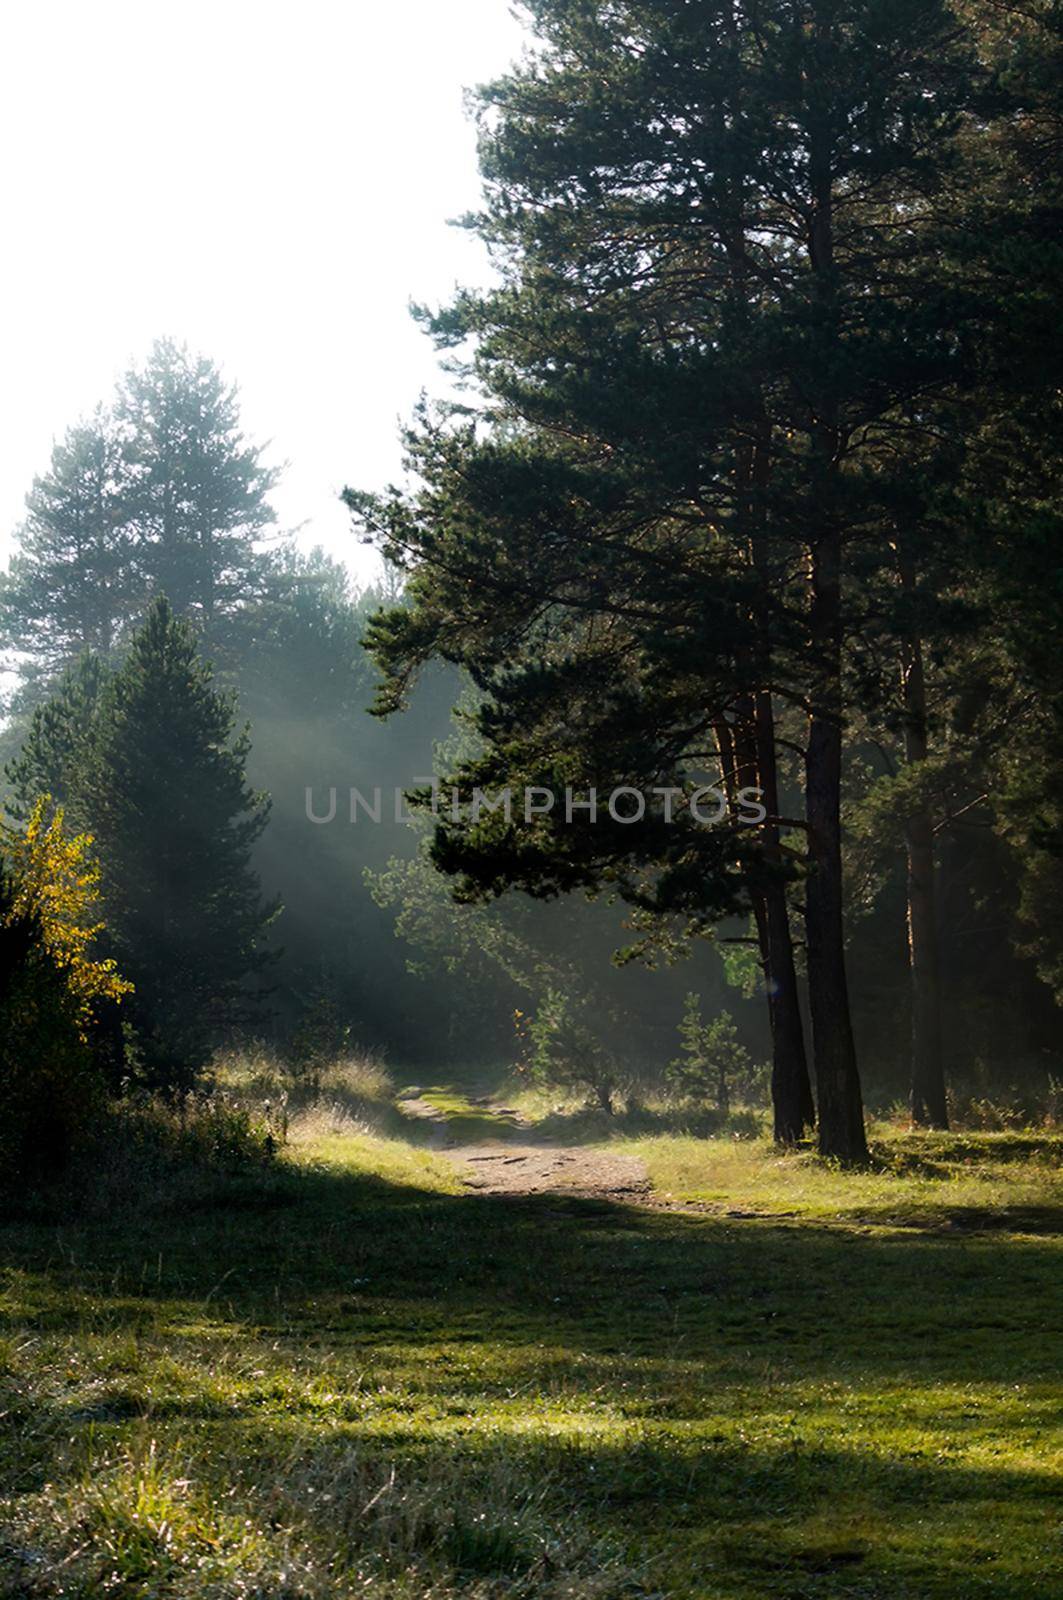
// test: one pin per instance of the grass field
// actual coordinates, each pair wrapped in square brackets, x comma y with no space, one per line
[345,1376]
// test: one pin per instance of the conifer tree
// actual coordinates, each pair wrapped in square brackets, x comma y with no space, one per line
[195,489]
[164,790]
[49,761]
[720,334]
[160,493]
[73,582]
[1011,503]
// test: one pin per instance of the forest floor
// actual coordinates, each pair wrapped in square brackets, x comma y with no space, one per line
[358,1372]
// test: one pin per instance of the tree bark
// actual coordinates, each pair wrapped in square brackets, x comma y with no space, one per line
[841,1112]
[928,1101]
[793,1107]
[748,755]
[841,1119]
[791,1089]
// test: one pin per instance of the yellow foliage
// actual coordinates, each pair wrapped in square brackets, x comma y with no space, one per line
[56,880]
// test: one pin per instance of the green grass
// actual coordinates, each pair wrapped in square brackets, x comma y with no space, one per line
[359,1381]
[1004,1180]
[466,1121]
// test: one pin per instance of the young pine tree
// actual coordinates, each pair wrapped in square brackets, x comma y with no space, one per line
[164,787]
[711,1058]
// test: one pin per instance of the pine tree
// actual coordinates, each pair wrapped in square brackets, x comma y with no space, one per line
[1012,501]
[73,583]
[165,793]
[711,1058]
[979,582]
[720,334]
[159,494]
[196,490]
[49,761]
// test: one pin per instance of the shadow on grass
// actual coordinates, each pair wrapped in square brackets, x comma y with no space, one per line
[344,1249]
[701,1392]
[790,1518]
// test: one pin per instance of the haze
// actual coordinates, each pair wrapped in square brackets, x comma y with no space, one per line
[271,184]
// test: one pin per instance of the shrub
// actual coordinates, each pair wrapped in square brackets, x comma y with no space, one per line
[51,1086]
[563,1053]
[56,1000]
[149,1151]
[353,1091]
[1007,1111]
[54,886]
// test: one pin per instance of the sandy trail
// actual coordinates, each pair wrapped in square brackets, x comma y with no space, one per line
[510,1167]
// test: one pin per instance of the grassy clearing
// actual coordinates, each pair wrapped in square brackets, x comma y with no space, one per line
[934,1179]
[987,1180]
[358,1382]
[572,1119]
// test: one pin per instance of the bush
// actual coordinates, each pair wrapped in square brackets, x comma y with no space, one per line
[52,1089]
[204,1130]
[147,1152]
[563,1053]
[1007,1111]
[57,999]
[354,1090]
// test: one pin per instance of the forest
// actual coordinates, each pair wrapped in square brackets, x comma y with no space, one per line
[537,1071]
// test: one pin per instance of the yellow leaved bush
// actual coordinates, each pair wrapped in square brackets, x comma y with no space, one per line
[56,880]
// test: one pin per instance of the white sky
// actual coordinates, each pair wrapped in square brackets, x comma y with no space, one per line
[270,182]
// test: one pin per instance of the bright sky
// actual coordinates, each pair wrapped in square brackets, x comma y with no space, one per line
[270,182]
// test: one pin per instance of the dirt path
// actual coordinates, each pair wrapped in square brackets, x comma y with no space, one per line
[492,1165]
[507,1168]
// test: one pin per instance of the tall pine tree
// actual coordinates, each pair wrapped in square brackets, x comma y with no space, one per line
[195,489]
[73,582]
[160,493]
[720,324]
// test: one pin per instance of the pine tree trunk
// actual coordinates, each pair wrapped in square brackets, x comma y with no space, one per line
[793,1107]
[841,1115]
[841,1112]
[928,1100]
[791,1088]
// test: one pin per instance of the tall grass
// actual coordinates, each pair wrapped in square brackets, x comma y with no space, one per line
[351,1094]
